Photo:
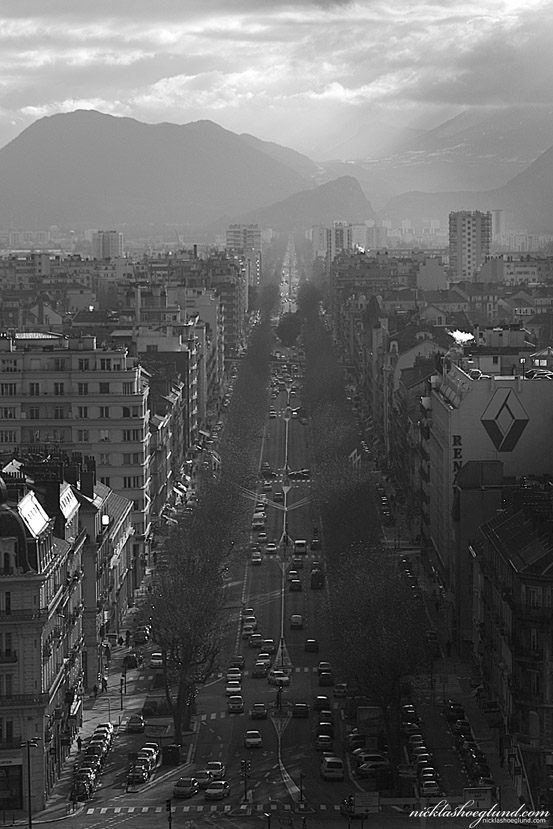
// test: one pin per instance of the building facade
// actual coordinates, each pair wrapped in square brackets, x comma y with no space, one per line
[470,237]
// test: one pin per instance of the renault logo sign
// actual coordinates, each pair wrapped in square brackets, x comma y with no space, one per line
[504,420]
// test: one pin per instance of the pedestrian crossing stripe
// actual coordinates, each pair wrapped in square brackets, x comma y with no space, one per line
[207,808]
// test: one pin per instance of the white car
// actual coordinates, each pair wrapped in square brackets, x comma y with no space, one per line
[156,660]
[233,688]
[253,739]
[256,558]
[271,548]
[278,677]
[217,769]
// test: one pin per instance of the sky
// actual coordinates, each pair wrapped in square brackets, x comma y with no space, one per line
[300,73]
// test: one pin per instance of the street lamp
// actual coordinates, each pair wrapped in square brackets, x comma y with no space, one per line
[28,744]
[268,816]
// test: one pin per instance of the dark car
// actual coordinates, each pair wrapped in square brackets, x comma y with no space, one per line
[300,710]
[316,544]
[81,791]
[326,679]
[321,702]
[311,646]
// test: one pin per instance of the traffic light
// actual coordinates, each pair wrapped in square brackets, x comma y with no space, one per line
[243,766]
[168,805]
[248,766]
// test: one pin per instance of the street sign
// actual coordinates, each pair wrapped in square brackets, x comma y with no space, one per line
[482,797]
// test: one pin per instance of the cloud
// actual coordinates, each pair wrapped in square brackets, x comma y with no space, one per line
[254,65]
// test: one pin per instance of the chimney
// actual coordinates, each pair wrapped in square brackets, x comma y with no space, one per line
[88,482]
[52,506]
[72,474]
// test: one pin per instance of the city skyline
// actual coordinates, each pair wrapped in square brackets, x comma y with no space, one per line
[297,73]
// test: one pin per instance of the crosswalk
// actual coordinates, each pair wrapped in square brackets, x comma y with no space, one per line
[296,670]
[200,808]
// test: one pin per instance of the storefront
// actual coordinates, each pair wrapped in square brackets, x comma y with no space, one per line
[11,784]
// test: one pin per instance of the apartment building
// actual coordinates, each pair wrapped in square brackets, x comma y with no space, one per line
[69,394]
[470,236]
[107,244]
[41,611]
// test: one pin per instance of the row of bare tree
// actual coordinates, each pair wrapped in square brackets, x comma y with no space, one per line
[187,608]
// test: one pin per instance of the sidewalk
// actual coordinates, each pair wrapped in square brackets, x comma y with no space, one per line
[106,707]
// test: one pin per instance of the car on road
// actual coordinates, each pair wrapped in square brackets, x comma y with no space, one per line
[253,739]
[154,748]
[296,622]
[292,574]
[137,775]
[250,620]
[259,711]
[278,496]
[429,788]
[262,536]
[217,790]
[297,563]
[260,670]
[321,703]
[204,778]
[324,667]
[323,742]
[255,640]
[272,413]
[256,558]
[233,688]
[156,660]
[300,710]
[234,674]
[238,661]
[326,679]
[340,689]
[311,646]
[235,705]
[316,543]
[217,769]
[136,724]
[278,677]
[268,646]
[186,787]
[247,631]
[247,611]
[295,586]
[264,657]
[271,548]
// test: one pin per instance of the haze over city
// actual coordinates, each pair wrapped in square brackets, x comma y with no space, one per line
[299,73]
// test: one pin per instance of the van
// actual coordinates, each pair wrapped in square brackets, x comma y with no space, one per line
[332,768]
[300,547]
[296,622]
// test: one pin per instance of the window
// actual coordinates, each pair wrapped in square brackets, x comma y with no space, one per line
[495,360]
[132,482]
[59,413]
[82,435]
[84,364]
[34,413]
[8,685]
[128,388]
[82,412]
[104,434]
[131,435]
[105,364]
[7,412]
[105,481]
[9,366]
[58,389]
[7,436]
[104,388]
[104,411]
[6,602]
[59,364]
[133,458]
[131,411]
[82,389]
[8,389]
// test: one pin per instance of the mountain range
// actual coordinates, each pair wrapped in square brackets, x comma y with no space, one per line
[85,169]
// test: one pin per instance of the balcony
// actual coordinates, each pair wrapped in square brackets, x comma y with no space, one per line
[22,700]
[10,745]
[7,657]
[36,615]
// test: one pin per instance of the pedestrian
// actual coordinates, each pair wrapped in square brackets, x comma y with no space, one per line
[120,641]
[104,683]
[95,691]
[79,743]
[448,648]
[128,638]
[108,653]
